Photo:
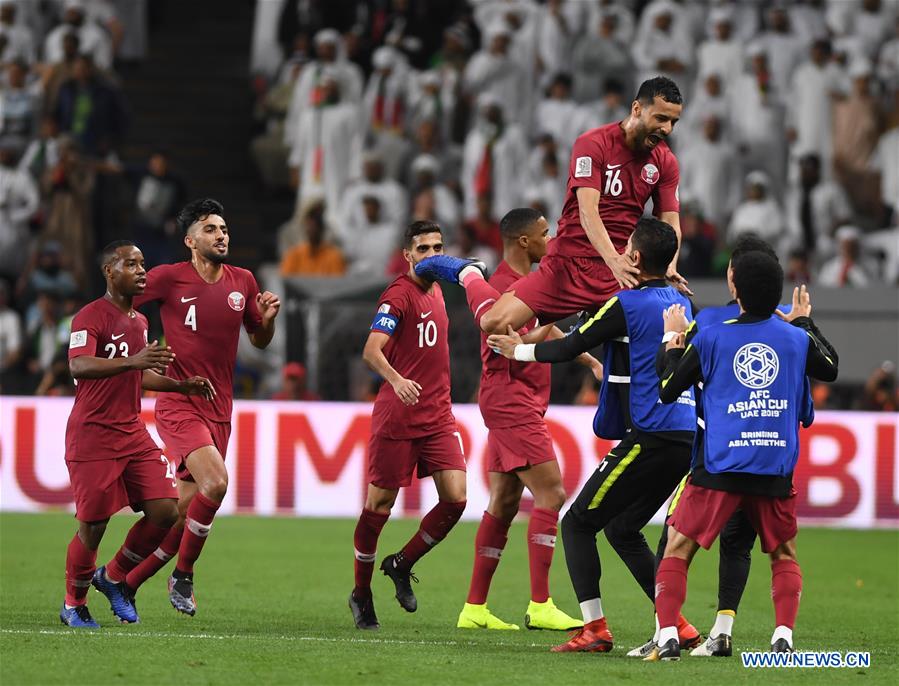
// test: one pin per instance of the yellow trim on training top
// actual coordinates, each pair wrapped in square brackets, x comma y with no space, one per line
[596,317]
[665,381]
[613,476]
[677,494]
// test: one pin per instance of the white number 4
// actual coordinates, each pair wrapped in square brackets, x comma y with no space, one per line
[191,318]
[613,182]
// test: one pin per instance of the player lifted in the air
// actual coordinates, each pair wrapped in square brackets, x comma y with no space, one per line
[614,171]
[112,460]
[412,425]
[203,303]
[513,398]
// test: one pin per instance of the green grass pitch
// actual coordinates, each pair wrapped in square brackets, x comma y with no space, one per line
[272,609]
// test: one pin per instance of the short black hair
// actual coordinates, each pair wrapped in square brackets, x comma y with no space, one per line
[657,242]
[662,87]
[517,221]
[196,210]
[417,228]
[759,281]
[109,253]
[750,242]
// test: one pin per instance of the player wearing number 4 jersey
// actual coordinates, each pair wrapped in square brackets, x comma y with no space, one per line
[614,171]
[203,303]
[112,460]
[412,425]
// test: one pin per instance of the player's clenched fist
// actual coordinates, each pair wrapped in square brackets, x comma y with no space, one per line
[197,385]
[407,391]
[269,304]
[154,356]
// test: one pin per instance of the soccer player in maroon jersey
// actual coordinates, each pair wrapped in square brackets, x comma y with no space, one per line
[513,398]
[203,304]
[412,424]
[614,171]
[111,458]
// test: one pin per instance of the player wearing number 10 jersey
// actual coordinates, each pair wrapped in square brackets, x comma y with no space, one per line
[203,303]
[413,427]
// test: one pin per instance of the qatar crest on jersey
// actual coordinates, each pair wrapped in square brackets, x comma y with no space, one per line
[650,173]
[236,301]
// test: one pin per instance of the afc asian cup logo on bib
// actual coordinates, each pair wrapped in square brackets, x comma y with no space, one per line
[756,365]
[650,173]
[236,301]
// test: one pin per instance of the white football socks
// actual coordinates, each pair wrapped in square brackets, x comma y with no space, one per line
[655,636]
[591,610]
[666,634]
[782,632]
[724,624]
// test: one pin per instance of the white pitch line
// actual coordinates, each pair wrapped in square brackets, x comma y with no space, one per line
[258,637]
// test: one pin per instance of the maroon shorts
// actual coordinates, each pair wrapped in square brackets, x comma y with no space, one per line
[563,286]
[518,447]
[184,432]
[103,487]
[392,462]
[701,514]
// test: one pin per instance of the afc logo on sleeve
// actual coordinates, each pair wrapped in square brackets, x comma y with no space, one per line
[384,322]
[78,339]
[583,167]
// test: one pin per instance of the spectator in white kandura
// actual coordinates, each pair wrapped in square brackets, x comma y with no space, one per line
[872,22]
[385,107]
[369,238]
[434,99]
[94,40]
[445,207]
[493,158]
[19,106]
[519,19]
[709,100]
[808,21]
[557,113]
[885,161]
[308,91]
[10,334]
[888,61]
[625,25]
[555,38]
[722,53]
[613,106]
[661,46]
[849,267]
[549,185]
[327,151]
[18,202]
[42,152]
[758,118]
[710,172]
[19,37]
[816,83]
[391,196]
[493,72]
[783,47]
[599,56]
[759,213]
[816,207]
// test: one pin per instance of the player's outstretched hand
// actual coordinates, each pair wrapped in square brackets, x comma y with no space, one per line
[679,282]
[269,304]
[624,271]
[407,391]
[153,356]
[197,385]
[675,317]
[802,305]
[505,344]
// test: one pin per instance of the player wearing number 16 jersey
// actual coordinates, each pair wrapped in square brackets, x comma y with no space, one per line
[614,170]
[412,424]
[203,303]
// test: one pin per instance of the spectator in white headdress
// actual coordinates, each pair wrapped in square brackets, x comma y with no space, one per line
[493,71]
[759,213]
[93,39]
[850,267]
[661,46]
[598,56]
[19,37]
[722,52]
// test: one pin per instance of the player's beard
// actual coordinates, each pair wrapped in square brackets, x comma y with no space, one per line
[216,257]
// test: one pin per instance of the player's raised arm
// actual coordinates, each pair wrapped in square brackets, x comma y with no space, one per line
[268,305]
[682,369]
[153,356]
[623,270]
[373,355]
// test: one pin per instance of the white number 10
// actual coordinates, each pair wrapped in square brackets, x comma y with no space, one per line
[427,334]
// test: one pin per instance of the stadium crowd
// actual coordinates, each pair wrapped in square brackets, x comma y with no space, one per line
[381,113]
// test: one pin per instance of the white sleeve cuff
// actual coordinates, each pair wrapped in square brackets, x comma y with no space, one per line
[524,352]
[669,335]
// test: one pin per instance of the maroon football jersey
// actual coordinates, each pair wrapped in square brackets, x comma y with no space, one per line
[105,419]
[625,180]
[418,349]
[202,324]
[512,393]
